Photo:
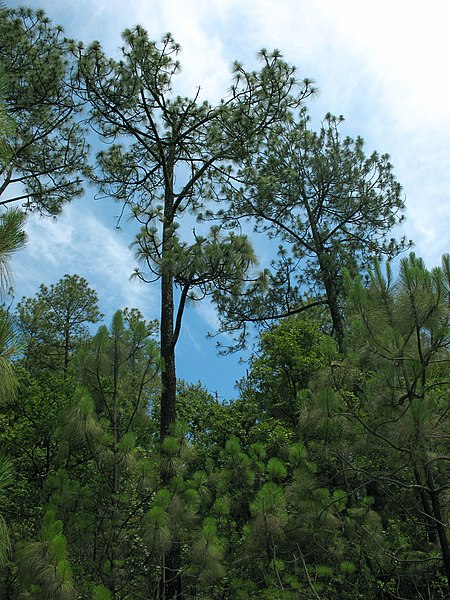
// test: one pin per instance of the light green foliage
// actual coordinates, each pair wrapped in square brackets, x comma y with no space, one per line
[44,571]
[12,238]
[217,260]
[276,469]
[207,553]
[402,332]
[158,534]
[101,593]
[7,125]
[268,510]
[6,478]
[347,567]
[8,350]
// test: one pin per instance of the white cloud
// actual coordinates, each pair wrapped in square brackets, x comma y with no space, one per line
[405,47]
[208,312]
[193,339]
[79,242]
[196,26]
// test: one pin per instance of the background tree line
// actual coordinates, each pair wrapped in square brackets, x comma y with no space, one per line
[328,476]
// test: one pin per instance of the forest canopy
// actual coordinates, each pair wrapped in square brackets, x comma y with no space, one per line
[328,476]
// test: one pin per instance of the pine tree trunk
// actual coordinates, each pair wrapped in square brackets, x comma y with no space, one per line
[332,298]
[171,580]
[328,277]
[66,347]
[115,471]
[168,376]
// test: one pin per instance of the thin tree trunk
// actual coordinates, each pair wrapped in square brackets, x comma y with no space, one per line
[66,348]
[172,578]
[439,521]
[328,278]
[332,297]
[115,473]
[171,585]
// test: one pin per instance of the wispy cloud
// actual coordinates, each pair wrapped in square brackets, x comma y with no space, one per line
[79,242]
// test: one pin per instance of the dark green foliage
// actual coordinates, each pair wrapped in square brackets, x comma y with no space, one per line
[328,205]
[28,433]
[55,322]
[105,483]
[46,147]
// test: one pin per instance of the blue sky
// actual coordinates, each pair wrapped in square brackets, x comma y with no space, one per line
[383,65]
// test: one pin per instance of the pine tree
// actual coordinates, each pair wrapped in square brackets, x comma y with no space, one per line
[328,205]
[170,156]
[46,148]
[105,440]
[44,569]
[6,479]
[12,238]
[55,322]
[402,332]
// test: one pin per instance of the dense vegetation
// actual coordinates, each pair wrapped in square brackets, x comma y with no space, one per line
[328,477]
